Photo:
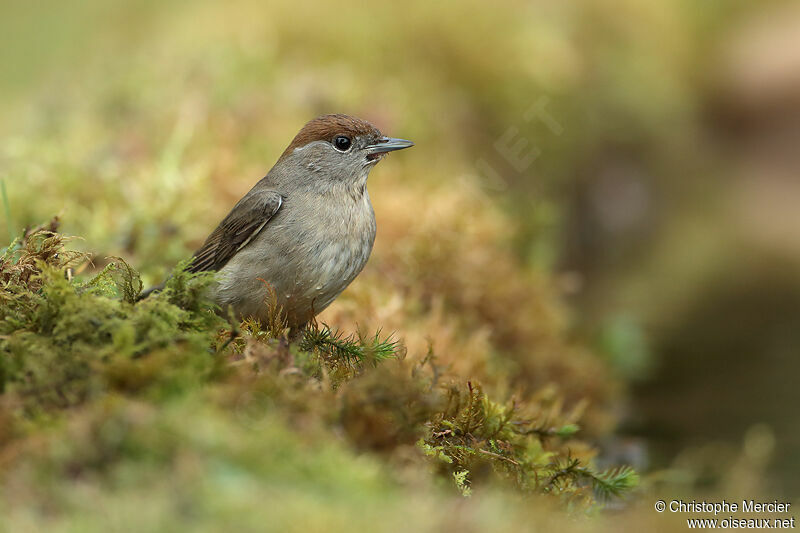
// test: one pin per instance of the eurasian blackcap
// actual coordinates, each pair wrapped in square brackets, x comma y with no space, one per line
[306,229]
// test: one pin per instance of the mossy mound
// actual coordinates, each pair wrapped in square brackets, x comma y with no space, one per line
[157,413]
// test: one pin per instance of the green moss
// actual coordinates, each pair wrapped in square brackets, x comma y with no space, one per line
[118,395]
[66,342]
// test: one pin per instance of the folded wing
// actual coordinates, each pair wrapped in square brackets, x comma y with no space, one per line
[237,230]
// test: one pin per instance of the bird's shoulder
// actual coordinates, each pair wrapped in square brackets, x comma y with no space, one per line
[247,218]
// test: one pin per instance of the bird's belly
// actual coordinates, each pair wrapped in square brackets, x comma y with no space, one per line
[318,282]
[302,283]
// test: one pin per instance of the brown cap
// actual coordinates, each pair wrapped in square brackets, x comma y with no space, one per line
[326,127]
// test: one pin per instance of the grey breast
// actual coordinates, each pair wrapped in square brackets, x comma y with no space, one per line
[308,254]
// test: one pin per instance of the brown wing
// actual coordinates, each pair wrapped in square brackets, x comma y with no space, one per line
[242,224]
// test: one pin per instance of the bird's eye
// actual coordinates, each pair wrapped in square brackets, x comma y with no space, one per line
[342,143]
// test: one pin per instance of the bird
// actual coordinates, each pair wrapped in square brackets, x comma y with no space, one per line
[305,231]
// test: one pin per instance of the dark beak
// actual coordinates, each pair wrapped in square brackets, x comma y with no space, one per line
[388,144]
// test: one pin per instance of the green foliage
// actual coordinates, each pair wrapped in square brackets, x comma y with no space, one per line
[65,342]
[6,208]
[131,387]
[462,482]
[338,348]
[534,455]
[614,481]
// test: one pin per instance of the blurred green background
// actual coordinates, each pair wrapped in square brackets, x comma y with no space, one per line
[644,152]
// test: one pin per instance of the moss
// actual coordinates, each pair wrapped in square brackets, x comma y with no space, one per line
[115,395]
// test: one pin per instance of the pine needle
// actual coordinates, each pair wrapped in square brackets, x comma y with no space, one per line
[352,350]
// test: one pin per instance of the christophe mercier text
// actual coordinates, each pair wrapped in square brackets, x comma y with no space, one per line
[747,506]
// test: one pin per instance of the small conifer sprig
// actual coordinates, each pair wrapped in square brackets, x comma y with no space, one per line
[612,482]
[352,350]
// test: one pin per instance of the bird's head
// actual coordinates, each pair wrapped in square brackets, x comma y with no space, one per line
[336,150]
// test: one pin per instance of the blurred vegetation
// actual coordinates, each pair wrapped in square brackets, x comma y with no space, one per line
[598,221]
